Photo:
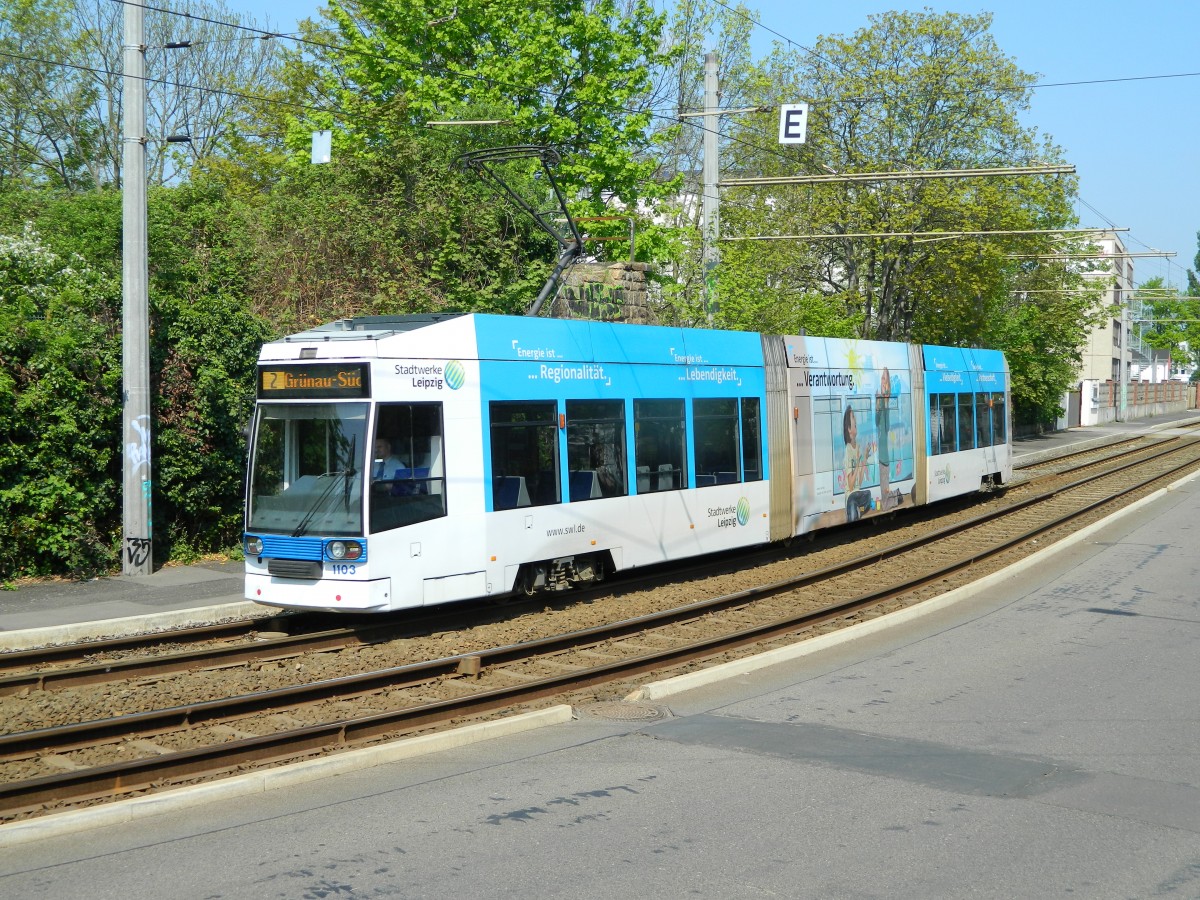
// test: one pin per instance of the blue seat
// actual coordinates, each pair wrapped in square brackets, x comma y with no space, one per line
[509,492]
[584,485]
[403,484]
[547,488]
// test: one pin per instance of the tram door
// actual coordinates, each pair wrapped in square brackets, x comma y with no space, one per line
[804,499]
[984,431]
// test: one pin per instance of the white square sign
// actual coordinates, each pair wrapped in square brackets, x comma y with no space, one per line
[793,123]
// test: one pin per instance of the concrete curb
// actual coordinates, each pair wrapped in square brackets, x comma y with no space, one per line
[122,811]
[660,690]
[1051,453]
[83,631]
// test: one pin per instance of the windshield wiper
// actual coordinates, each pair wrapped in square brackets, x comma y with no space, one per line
[317,505]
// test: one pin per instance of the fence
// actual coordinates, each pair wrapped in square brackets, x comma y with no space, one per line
[1101,401]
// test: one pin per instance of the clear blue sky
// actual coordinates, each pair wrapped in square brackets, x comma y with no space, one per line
[1135,143]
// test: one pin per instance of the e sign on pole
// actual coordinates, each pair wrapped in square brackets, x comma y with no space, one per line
[793,123]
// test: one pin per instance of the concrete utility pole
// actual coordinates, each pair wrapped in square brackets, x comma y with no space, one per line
[710,202]
[137,555]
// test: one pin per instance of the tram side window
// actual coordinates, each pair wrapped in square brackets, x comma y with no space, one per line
[596,449]
[751,440]
[983,420]
[716,441]
[999,419]
[661,454]
[524,438]
[942,428]
[966,421]
[407,465]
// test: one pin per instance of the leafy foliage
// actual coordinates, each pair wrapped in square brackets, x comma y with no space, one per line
[913,92]
[910,93]
[572,77]
[59,411]
[60,385]
[1171,321]
[371,237]
[204,346]
[61,89]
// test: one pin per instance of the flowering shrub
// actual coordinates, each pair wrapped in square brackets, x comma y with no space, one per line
[60,411]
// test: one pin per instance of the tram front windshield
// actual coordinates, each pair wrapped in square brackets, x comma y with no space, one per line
[307,472]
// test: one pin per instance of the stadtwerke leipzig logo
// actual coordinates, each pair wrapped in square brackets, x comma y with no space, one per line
[456,375]
[743,511]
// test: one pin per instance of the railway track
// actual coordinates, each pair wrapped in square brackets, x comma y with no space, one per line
[93,756]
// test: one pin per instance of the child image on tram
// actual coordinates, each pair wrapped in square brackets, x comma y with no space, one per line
[855,461]
[884,400]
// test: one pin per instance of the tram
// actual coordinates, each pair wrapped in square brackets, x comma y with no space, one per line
[409,461]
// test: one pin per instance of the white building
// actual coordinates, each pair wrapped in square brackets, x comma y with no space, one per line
[1109,351]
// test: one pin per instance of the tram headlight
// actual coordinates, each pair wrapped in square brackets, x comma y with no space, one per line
[343,550]
[254,546]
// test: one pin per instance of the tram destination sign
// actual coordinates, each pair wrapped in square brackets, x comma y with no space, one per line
[294,381]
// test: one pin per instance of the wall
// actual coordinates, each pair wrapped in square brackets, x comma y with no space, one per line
[1101,400]
[604,292]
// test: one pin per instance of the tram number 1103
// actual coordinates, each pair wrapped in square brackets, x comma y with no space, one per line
[341,569]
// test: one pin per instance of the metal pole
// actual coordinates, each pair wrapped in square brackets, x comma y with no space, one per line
[137,549]
[1123,396]
[710,210]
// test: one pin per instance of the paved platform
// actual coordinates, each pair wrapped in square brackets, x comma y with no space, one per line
[58,611]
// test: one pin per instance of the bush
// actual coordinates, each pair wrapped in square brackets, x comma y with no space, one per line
[59,412]
[61,385]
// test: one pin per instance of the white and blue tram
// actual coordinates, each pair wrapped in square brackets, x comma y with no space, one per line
[417,460]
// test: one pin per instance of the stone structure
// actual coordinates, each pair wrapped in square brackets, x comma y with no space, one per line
[605,292]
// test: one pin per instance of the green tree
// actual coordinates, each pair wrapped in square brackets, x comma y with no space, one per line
[46,133]
[398,235]
[204,345]
[911,92]
[1168,320]
[60,376]
[61,89]
[1039,318]
[574,77]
